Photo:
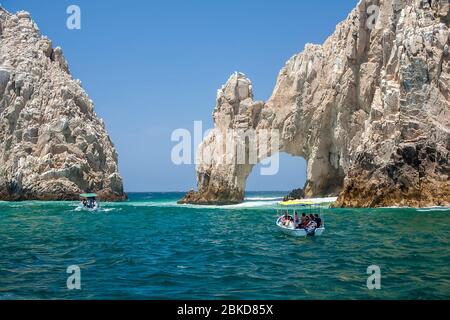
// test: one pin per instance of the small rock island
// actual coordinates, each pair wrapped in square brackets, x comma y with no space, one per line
[52,144]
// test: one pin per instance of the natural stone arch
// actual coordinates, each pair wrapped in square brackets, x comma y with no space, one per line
[368,109]
[236,114]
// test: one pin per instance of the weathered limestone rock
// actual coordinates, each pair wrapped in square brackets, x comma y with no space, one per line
[52,145]
[369,110]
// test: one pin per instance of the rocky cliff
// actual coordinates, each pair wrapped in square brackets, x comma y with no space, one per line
[52,145]
[369,110]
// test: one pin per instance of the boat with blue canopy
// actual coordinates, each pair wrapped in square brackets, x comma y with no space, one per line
[89,202]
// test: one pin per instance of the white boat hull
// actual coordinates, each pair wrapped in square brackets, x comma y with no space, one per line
[298,232]
[83,208]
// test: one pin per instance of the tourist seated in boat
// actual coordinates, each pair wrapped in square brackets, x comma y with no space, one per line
[296,220]
[291,222]
[90,203]
[306,221]
[318,220]
[285,218]
[311,226]
[303,221]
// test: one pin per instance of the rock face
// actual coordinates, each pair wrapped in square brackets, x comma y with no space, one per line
[369,110]
[295,195]
[52,145]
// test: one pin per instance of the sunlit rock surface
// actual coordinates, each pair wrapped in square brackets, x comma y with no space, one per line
[369,110]
[52,144]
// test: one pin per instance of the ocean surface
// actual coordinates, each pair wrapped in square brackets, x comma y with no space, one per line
[152,248]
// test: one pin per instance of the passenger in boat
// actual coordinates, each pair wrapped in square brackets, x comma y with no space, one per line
[296,220]
[92,203]
[318,220]
[291,223]
[303,220]
[285,218]
[311,227]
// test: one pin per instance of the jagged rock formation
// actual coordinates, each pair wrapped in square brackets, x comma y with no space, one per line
[369,110]
[52,145]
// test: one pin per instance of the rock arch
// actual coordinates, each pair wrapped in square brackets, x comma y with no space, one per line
[369,110]
[222,182]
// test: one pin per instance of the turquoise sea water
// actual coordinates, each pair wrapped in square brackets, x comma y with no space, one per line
[151,248]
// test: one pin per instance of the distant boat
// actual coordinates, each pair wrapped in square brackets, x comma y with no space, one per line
[89,202]
[288,225]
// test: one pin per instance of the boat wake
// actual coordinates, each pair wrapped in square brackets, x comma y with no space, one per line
[263,198]
[99,210]
[259,202]
[251,204]
[429,209]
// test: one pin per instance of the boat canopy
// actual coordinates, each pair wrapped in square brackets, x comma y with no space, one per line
[297,203]
[88,195]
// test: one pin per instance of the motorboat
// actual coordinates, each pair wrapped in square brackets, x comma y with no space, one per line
[89,202]
[287,226]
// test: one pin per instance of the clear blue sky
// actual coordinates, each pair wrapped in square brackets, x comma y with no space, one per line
[154,66]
